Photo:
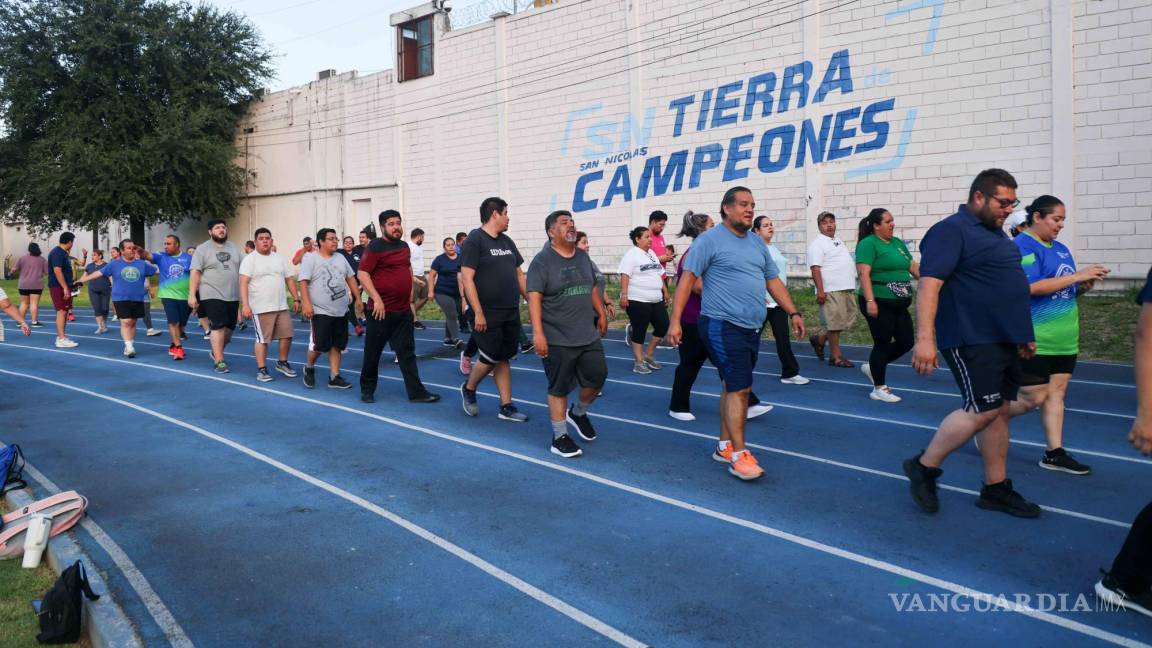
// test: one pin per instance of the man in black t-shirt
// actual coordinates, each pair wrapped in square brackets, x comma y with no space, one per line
[493,284]
[1129,584]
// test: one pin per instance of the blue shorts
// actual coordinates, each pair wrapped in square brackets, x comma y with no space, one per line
[177,311]
[733,349]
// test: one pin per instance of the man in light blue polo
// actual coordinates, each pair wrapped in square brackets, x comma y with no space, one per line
[735,269]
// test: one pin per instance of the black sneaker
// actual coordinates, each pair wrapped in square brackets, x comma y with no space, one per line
[526,346]
[922,483]
[1110,592]
[1061,461]
[418,325]
[1001,497]
[510,413]
[468,396]
[338,382]
[310,377]
[367,397]
[183,335]
[426,397]
[566,447]
[583,426]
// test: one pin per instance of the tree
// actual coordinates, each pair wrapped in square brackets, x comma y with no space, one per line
[122,110]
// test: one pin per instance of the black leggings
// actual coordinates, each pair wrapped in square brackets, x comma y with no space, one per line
[692,357]
[778,320]
[641,314]
[1132,568]
[892,334]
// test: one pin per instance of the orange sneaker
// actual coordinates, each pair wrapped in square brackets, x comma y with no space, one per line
[746,467]
[178,353]
[723,456]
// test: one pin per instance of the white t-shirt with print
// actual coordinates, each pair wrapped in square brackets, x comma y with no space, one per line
[645,275]
[837,266]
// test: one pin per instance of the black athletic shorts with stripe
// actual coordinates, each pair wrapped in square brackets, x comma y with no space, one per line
[988,374]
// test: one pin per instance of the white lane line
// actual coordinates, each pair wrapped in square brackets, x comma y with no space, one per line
[518,367]
[789,453]
[148,596]
[802,355]
[867,386]
[860,417]
[990,599]
[524,587]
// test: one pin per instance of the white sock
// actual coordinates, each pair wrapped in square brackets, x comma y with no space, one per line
[737,455]
[724,445]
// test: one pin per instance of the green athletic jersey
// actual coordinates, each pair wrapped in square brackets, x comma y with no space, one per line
[890,262]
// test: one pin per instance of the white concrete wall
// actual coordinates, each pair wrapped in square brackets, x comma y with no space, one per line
[1059,92]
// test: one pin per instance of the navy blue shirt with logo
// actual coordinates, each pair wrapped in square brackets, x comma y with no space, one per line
[985,298]
[58,258]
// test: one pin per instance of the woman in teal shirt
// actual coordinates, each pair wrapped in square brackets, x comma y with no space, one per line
[886,270]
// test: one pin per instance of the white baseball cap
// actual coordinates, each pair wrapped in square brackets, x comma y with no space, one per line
[1016,219]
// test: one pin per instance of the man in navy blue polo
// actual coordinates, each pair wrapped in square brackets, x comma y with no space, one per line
[972,302]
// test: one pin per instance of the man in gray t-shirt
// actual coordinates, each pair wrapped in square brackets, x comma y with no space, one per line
[327,279]
[568,320]
[214,288]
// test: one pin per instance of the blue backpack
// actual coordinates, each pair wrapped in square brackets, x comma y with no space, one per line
[11,468]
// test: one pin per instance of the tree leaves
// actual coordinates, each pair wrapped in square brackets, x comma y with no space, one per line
[118,110]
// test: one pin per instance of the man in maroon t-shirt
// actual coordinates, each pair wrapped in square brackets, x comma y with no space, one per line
[385,273]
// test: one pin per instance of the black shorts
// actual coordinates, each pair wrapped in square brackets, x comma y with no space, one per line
[1039,368]
[30,291]
[501,340]
[568,366]
[643,314]
[219,313]
[328,333]
[988,374]
[129,309]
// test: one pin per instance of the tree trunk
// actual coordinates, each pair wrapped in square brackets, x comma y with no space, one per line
[136,230]
[95,238]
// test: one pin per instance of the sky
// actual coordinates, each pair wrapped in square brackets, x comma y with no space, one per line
[307,36]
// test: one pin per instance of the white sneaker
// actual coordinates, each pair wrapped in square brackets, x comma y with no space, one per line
[866,369]
[682,416]
[129,351]
[758,410]
[795,380]
[66,343]
[153,332]
[884,394]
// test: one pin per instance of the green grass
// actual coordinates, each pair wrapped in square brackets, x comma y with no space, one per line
[18,586]
[1107,322]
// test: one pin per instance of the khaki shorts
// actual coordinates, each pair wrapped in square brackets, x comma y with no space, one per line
[276,325]
[839,310]
[420,292]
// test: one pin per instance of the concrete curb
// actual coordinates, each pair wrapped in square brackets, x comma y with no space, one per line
[105,623]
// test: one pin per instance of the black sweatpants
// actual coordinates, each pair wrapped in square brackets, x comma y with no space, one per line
[692,357]
[396,330]
[892,334]
[1132,568]
[778,320]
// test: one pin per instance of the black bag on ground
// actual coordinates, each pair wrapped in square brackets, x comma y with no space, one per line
[60,612]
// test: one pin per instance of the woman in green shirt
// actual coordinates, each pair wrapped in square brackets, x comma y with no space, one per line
[886,270]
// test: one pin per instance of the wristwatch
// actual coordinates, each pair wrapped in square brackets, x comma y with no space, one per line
[796,314]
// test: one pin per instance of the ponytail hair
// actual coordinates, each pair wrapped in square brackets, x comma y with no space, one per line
[869,223]
[1044,205]
[693,224]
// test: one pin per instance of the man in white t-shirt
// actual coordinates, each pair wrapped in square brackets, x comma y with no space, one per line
[834,273]
[264,275]
[419,276]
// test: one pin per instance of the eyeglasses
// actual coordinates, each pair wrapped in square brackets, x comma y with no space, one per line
[1006,202]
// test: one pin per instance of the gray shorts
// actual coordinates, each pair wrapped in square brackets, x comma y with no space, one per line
[568,366]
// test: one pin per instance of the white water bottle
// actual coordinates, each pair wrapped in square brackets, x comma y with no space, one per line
[36,539]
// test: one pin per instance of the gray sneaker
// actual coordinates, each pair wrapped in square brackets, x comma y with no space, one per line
[263,376]
[652,364]
[510,413]
[285,368]
[468,396]
[641,368]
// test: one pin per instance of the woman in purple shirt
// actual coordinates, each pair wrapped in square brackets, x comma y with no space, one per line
[692,351]
[31,267]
